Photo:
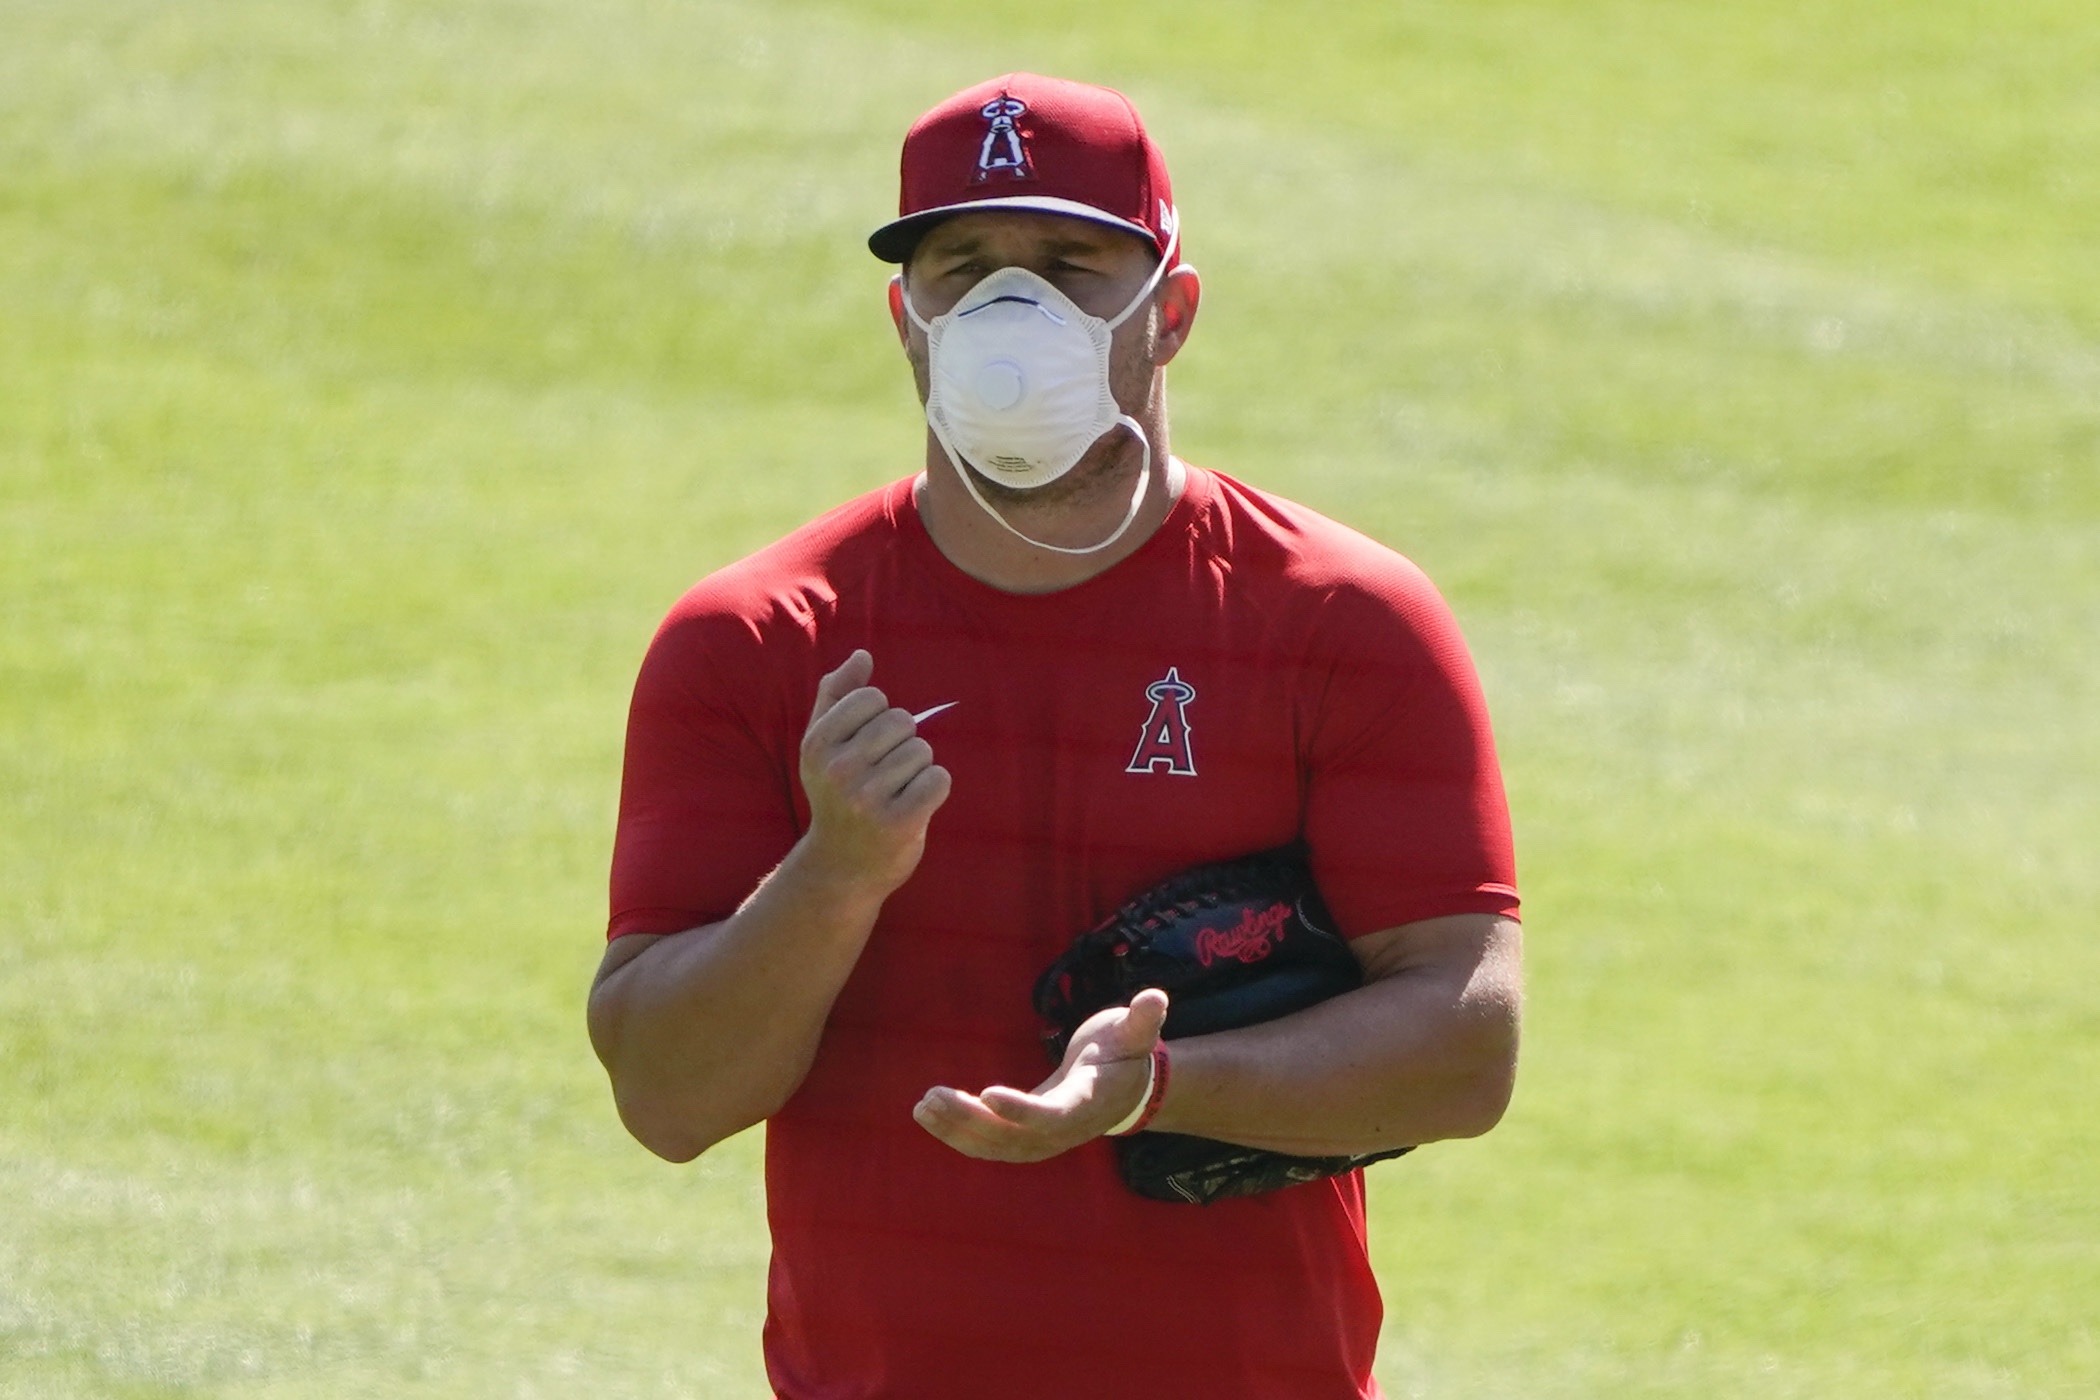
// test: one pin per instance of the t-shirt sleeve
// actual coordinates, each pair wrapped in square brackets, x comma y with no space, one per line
[1405,812]
[706,796]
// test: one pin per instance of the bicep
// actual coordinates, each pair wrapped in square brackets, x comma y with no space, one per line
[1482,953]
[707,802]
[1404,809]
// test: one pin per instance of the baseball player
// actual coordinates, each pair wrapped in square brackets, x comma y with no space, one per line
[884,771]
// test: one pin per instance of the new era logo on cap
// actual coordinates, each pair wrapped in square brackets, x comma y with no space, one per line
[1030,142]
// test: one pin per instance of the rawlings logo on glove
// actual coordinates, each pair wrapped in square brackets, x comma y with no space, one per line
[1248,940]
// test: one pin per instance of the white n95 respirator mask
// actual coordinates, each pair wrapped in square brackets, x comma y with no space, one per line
[1018,385]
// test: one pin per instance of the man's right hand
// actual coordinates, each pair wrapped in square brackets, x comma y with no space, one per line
[871,781]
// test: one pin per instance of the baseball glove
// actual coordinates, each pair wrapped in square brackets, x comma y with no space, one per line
[1231,944]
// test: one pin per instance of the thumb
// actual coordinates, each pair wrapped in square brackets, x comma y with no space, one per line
[1140,1027]
[852,673]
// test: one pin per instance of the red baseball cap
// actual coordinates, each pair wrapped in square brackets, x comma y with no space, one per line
[1029,142]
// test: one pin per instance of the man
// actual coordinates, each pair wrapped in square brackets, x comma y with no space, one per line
[1097,666]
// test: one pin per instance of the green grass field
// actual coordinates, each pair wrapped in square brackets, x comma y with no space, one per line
[373,375]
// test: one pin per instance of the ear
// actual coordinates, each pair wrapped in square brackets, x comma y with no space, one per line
[897,310]
[1180,294]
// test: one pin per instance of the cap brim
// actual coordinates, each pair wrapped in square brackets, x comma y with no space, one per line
[894,241]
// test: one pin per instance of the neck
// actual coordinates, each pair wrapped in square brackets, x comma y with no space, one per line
[1079,509]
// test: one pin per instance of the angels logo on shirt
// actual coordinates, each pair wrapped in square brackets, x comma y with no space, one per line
[1003,148]
[1164,744]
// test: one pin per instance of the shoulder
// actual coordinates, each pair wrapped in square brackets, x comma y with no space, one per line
[789,587]
[745,638]
[1265,542]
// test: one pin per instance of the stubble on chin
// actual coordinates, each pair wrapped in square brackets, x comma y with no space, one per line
[1102,472]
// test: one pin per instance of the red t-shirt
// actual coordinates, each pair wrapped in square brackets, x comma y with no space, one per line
[1254,674]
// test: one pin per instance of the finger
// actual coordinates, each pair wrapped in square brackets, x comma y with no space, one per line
[969,1124]
[851,675]
[1033,1112]
[847,715]
[924,794]
[965,1123]
[952,1108]
[873,766]
[878,738]
[893,772]
[1066,1111]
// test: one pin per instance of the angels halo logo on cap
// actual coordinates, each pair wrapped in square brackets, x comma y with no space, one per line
[1028,142]
[1003,149]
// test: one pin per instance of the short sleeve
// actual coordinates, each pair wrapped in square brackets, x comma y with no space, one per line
[706,791]
[1405,812]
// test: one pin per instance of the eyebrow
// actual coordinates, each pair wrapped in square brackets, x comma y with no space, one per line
[962,246]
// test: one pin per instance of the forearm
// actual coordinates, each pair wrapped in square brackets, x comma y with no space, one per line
[1415,1057]
[709,1031]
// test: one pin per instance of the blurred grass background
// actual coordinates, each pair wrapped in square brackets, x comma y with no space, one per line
[373,375]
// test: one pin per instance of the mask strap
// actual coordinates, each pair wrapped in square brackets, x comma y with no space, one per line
[904,286]
[1137,497]
[1159,270]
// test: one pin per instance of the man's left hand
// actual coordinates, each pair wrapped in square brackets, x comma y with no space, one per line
[1104,1075]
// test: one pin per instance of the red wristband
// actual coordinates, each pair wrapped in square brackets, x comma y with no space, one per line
[1159,1091]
